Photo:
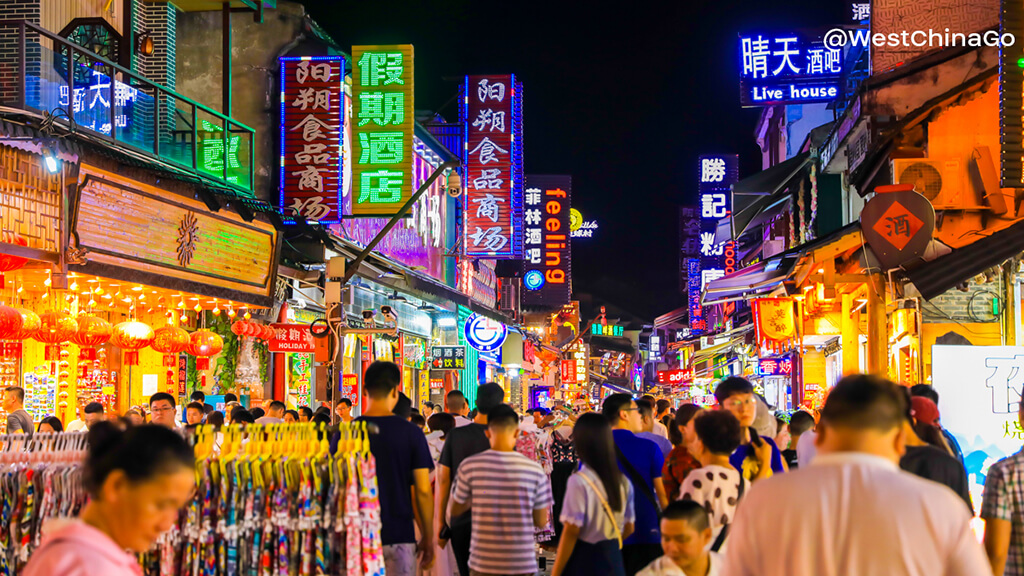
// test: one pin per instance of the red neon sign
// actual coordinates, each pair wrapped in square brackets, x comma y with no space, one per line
[675,377]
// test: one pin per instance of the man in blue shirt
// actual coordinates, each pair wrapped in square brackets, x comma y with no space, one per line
[757,457]
[641,461]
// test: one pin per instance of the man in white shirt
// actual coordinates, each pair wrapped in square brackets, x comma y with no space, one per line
[853,511]
[275,413]
[686,539]
[458,407]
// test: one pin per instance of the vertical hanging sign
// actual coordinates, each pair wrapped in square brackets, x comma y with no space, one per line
[717,175]
[312,127]
[547,270]
[492,115]
[382,129]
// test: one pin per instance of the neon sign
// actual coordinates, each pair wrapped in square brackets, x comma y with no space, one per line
[91,103]
[600,330]
[382,129]
[484,334]
[675,377]
[547,202]
[312,128]
[775,366]
[717,175]
[788,68]
[533,280]
[581,228]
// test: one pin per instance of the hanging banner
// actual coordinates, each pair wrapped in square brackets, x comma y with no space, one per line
[547,269]
[312,127]
[777,323]
[897,223]
[382,129]
[492,112]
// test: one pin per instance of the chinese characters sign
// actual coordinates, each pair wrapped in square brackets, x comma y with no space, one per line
[292,338]
[312,125]
[574,369]
[717,175]
[546,202]
[775,366]
[91,103]
[492,114]
[448,357]
[382,128]
[606,330]
[897,224]
[788,68]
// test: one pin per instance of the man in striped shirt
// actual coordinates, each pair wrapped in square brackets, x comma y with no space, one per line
[509,495]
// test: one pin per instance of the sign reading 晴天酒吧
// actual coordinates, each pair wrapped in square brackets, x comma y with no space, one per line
[382,128]
[492,113]
[312,127]
[788,68]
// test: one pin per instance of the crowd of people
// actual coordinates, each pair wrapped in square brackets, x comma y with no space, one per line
[869,485]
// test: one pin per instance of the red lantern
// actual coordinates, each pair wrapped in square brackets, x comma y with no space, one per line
[131,337]
[92,332]
[203,344]
[268,332]
[250,328]
[10,263]
[238,328]
[10,322]
[30,324]
[169,341]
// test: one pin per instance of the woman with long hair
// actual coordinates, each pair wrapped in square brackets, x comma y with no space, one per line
[679,462]
[137,480]
[597,513]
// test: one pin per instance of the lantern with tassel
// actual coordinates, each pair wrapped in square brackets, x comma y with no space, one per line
[169,341]
[131,337]
[203,344]
[10,322]
[55,328]
[238,327]
[10,263]
[92,332]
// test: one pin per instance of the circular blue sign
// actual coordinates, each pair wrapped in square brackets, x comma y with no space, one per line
[484,334]
[534,280]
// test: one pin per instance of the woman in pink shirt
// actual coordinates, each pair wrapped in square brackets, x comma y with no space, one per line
[138,480]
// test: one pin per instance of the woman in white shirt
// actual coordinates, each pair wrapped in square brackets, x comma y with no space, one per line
[597,513]
[716,485]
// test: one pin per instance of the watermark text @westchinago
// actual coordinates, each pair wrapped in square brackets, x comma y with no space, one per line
[931,38]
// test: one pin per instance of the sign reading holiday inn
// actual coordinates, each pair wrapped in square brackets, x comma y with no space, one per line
[312,127]
[491,111]
[788,68]
[382,128]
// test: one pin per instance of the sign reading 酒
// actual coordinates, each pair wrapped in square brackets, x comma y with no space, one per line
[492,113]
[787,68]
[546,201]
[382,128]
[312,127]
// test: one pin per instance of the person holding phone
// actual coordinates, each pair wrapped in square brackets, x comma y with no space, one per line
[757,457]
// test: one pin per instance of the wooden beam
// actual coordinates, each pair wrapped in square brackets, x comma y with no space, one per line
[30,253]
[837,278]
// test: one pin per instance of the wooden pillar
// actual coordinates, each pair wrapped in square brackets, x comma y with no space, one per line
[878,333]
[850,340]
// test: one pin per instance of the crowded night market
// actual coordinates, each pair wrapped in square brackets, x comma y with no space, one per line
[310,288]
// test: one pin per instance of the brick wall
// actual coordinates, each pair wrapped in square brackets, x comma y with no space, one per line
[160,20]
[9,77]
[975,305]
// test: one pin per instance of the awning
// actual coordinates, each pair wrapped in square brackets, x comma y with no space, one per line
[611,344]
[933,278]
[677,315]
[706,353]
[755,194]
[760,278]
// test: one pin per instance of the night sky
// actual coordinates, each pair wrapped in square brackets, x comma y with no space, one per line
[623,99]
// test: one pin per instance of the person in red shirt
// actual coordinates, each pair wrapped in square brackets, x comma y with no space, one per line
[679,461]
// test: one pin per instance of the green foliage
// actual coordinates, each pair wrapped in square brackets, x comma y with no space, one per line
[227,362]
[263,353]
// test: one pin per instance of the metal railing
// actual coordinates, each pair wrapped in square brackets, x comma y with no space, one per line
[45,73]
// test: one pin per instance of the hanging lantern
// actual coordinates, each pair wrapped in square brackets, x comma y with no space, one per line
[131,337]
[203,344]
[10,263]
[10,322]
[169,341]
[92,332]
[30,324]
[267,332]
[55,328]
[238,328]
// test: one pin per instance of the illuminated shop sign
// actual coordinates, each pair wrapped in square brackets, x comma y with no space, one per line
[382,128]
[547,201]
[788,68]
[775,366]
[484,334]
[492,114]
[697,322]
[581,228]
[675,377]
[717,175]
[448,357]
[312,128]
[609,330]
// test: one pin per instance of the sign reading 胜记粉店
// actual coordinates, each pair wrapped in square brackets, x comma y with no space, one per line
[548,249]
[492,114]
[312,128]
[382,128]
[788,68]
[292,338]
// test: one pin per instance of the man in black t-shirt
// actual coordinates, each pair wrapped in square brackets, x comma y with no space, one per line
[933,463]
[461,443]
[403,469]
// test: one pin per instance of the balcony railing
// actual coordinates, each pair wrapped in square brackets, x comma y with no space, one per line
[45,73]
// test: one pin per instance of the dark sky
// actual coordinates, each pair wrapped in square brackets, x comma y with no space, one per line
[624,96]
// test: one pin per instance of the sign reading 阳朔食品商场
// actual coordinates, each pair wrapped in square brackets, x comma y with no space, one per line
[548,249]
[788,68]
[448,357]
[382,129]
[492,112]
[312,128]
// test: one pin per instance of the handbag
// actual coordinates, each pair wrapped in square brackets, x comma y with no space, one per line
[607,508]
[638,481]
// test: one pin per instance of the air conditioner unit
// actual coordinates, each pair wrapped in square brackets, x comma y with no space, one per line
[942,182]
[509,296]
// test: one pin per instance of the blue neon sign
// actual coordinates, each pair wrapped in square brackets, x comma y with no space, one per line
[788,68]
[484,334]
[533,280]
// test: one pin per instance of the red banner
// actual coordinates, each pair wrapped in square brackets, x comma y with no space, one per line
[568,371]
[312,124]
[292,338]
[494,134]
[349,382]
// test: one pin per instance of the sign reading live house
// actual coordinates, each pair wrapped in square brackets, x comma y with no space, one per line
[492,112]
[312,127]
[547,261]
[788,68]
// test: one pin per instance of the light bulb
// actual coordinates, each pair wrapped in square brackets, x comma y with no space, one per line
[232,313]
[198,308]
[98,291]
[247,316]
[74,286]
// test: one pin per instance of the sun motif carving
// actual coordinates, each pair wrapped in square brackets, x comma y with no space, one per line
[188,236]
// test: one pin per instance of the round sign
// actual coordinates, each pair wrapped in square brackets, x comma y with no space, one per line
[319,328]
[575,220]
[533,280]
[484,334]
